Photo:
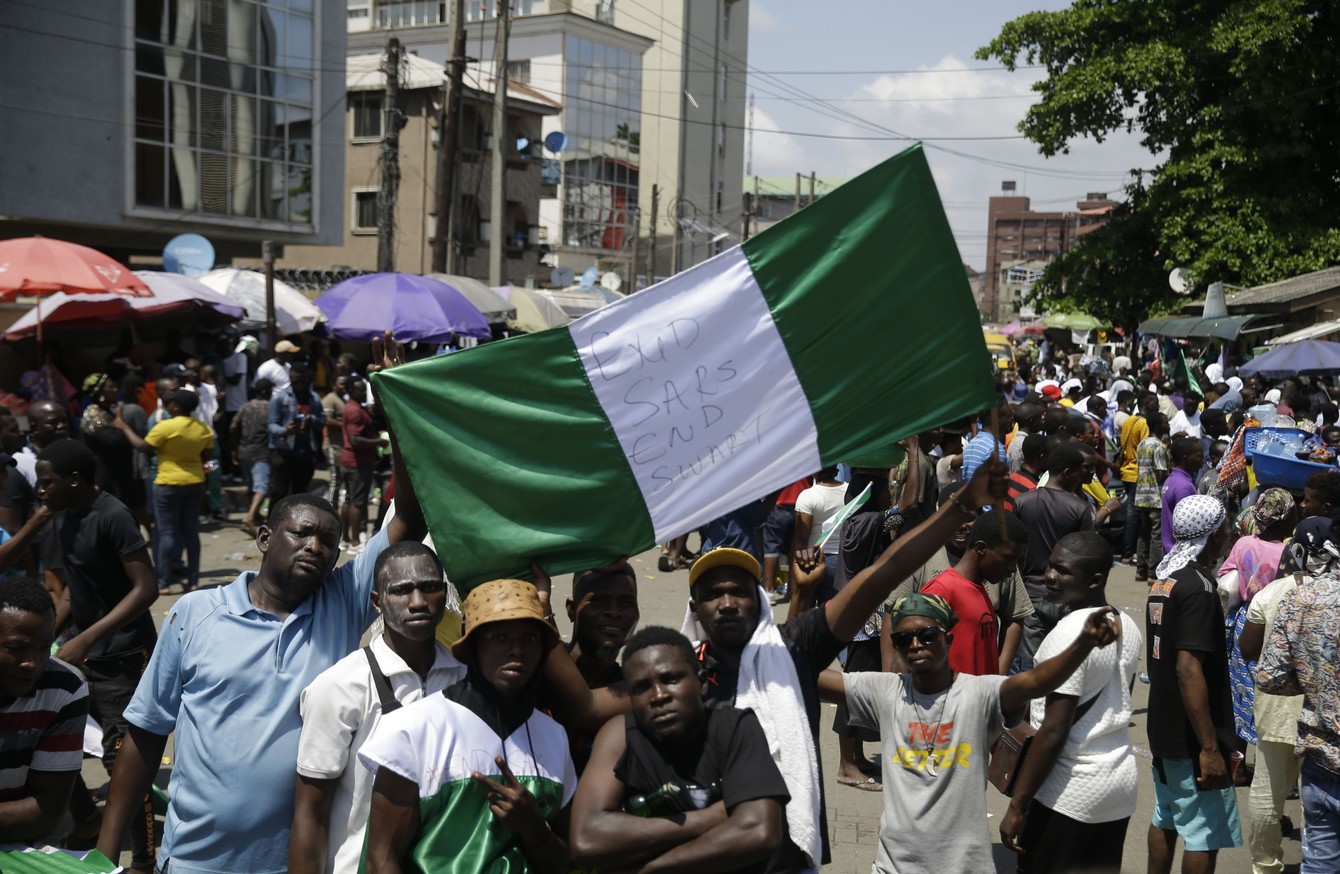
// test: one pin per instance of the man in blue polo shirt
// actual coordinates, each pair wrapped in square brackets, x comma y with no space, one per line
[227,676]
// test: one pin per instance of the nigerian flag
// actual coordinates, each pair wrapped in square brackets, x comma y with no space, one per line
[834,333]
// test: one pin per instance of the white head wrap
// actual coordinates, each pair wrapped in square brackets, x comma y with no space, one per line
[1195,518]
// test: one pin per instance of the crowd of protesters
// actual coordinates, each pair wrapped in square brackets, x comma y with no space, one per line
[331,717]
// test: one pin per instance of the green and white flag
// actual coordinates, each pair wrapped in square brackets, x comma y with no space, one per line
[844,328]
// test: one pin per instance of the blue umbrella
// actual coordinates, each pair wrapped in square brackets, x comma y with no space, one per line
[414,307]
[1304,358]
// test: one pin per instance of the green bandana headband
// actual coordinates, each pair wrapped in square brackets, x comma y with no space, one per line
[931,606]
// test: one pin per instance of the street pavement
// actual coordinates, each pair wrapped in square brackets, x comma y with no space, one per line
[853,815]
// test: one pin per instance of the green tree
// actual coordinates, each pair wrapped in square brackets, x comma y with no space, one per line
[1239,102]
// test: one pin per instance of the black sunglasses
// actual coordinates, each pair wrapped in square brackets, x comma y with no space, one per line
[927,636]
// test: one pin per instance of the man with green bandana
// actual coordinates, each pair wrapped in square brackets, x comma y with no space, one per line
[937,726]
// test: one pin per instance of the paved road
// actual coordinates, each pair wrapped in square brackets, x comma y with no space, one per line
[853,814]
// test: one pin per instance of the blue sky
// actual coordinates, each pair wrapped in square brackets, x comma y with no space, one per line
[875,54]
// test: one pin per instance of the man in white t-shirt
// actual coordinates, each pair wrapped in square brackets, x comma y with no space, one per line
[1074,795]
[816,510]
[344,704]
[276,369]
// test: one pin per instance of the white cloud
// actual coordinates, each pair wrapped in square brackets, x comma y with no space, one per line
[775,153]
[940,107]
[760,19]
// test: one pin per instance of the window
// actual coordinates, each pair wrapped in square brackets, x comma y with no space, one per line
[409,13]
[224,116]
[366,108]
[721,83]
[365,212]
[519,71]
[725,19]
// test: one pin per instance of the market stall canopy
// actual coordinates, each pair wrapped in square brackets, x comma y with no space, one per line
[1311,332]
[42,266]
[173,295]
[481,297]
[1304,358]
[1222,328]
[577,300]
[534,311]
[413,307]
[294,311]
[1073,321]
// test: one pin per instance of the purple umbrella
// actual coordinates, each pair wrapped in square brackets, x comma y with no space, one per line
[414,307]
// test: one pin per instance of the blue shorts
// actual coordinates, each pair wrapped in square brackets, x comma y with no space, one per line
[778,530]
[1206,820]
[256,474]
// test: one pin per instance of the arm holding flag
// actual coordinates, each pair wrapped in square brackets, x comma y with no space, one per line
[408,522]
[851,607]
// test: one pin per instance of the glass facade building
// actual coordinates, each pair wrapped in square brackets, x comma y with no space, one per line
[602,119]
[224,103]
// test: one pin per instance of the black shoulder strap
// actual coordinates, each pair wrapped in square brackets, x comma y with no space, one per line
[381,684]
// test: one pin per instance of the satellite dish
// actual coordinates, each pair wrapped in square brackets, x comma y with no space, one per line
[611,281]
[590,276]
[188,254]
[561,277]
[1180,280]
[556,141]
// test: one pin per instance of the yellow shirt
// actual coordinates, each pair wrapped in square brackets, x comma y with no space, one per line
[178,443]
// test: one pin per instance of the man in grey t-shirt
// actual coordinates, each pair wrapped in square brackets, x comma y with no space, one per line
[936,728]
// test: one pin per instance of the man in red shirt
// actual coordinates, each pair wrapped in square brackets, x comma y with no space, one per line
[1034,462]
[992,555]
[361,442]
[778,530]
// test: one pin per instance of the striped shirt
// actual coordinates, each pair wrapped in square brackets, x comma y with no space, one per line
[44,730]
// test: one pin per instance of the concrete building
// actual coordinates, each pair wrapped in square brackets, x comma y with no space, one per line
[1017,234]
[416,221]
[584,64]
[773,198]
[140,120]
[653,98]
[693,123]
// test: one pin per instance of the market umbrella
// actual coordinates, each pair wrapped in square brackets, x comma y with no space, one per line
[1073,321]
[414,307]
[534,311]
[1304,358]
[41,266]
[294,311]
[173,294]
[481,297]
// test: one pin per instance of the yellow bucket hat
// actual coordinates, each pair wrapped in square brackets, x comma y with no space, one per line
[500,601]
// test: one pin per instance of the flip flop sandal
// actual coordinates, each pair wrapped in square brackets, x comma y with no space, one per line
[869,784]
[664,565]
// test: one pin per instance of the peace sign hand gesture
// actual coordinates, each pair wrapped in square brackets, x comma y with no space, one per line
[514,805]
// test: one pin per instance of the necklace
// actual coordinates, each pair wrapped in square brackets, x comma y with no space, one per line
[930,730]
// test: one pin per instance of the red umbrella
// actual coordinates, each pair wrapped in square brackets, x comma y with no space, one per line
[40,266]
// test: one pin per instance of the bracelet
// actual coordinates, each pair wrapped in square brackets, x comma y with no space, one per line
[956,499]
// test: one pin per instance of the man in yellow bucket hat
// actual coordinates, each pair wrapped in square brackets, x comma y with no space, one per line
[450,765]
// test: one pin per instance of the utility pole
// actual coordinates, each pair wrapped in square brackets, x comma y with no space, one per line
[390,162]
[268,259]
[651,233]
[748,211]
[811,186]
[797,192]
[632,270]
[497,188]
[448,135]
